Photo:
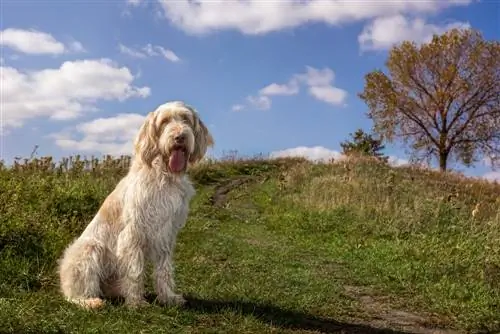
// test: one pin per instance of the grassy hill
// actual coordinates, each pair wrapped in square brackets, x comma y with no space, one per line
[270,246]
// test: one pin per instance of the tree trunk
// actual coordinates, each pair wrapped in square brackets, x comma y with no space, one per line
[443,160]
[443,150]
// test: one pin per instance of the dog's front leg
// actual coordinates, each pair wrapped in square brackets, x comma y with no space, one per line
[130,256]
[164,281]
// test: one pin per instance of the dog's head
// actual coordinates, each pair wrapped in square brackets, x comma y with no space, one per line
[175,133]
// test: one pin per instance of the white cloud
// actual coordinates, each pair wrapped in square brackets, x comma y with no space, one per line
[149,50]
[319,83]
[159,50]
[35,42]
[134,2]
[261,102]
[131,52]
[76,46]
[314,77]
[237,107]
[316,153]
[384,32]
[169,54]
[328,94]
[395,161]
[492,176]
[260,17]
[64,92]
[290,88]
[323,154]
[112,135]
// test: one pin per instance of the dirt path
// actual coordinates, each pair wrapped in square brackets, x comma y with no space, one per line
[382,315]
[379,316]
[219,197]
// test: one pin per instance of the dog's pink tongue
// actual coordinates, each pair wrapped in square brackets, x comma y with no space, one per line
[177,161]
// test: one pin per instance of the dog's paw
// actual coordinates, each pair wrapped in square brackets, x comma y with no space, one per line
[95,303]
[172,300]
[89,303]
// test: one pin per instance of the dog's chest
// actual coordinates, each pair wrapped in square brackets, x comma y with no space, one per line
[168,206]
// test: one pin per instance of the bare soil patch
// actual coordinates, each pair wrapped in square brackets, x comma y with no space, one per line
[382,315]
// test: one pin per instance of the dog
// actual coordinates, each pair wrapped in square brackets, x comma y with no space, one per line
[140,219]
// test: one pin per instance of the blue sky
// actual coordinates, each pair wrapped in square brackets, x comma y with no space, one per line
[266,76]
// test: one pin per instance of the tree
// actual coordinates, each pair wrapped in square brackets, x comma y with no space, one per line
[363,144]
[441,98]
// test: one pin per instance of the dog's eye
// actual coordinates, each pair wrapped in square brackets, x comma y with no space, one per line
[164,123]
[186,119]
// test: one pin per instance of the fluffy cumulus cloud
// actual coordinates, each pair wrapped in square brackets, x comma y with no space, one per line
[318,82]
[320,85]
[384,32]
[260,17]
[316,153]
[36,42]
[323,154]
[65,92]
[290,88]
[149,51]
[112,135]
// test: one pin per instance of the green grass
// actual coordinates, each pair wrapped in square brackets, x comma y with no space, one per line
[354,246]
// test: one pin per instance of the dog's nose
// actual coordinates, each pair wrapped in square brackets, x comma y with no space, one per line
[179,139]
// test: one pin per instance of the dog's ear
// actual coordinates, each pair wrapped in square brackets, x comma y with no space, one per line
[203,140]
[146,141]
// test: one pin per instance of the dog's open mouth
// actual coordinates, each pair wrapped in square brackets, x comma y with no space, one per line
[178,159]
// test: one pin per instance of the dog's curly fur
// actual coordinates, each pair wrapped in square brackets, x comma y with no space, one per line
[140,219]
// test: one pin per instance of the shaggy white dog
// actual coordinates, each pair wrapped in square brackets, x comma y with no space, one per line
[140,219]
